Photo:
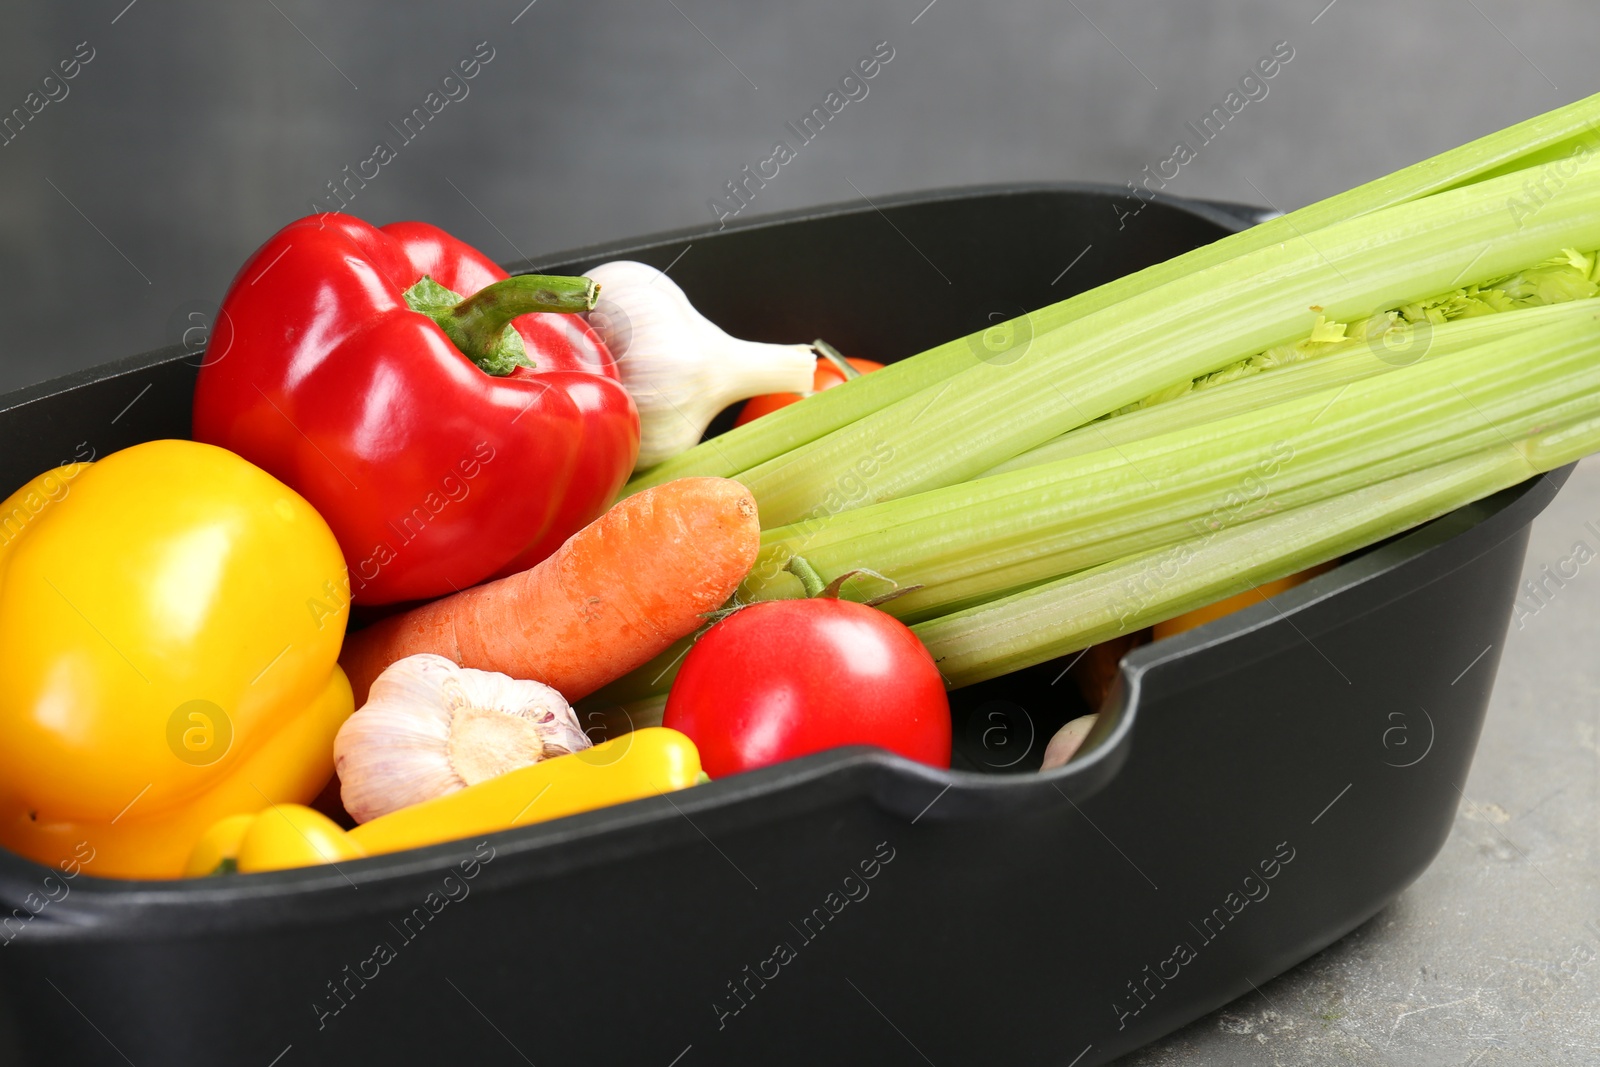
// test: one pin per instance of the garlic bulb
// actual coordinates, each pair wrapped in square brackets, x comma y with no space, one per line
[429,728]
[679,367]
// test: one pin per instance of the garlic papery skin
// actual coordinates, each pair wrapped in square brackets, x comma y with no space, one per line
[678,366]
[429,728]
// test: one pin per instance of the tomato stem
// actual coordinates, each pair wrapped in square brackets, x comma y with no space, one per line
[809,578]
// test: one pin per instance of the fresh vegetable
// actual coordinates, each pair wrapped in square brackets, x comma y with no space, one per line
[1235,390]
[1238,602]
[168,642]
[827,375]
[217,851]
[1079,610]
[1371,348]
[1403,335]
[968,543]
[445,441]
[1065,742]
[640,764]
[429,728]
[680,368]
[285,834]
[788,678]
[1196,432]
[616,594]
[1097,669]
[1553,139]
[1190,326]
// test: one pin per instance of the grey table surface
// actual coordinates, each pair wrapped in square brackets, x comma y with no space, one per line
[1493,955]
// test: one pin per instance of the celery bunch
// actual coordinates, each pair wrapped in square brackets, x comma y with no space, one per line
[968,542]
[1129,594]
[1276,399]
[1528,148]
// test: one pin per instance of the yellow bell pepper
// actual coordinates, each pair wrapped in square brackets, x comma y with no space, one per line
[170,623]
[639,764]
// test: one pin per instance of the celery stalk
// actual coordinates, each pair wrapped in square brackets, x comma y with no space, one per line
[1083,609]
[1348,361]
[1569,276]
[1544,138]
[1059,617]
[982,539]
[1195,324]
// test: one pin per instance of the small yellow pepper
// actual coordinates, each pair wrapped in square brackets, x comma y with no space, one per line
[281,836]
[170,623]
[218,848]
[639,764]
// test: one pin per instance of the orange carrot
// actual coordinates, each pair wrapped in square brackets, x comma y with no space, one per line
[616,594]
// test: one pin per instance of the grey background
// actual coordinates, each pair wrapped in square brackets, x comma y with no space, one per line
[198,129]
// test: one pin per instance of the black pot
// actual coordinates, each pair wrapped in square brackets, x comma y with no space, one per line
[1267,782]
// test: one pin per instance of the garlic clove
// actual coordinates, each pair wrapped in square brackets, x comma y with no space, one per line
[1066,742]
[679,367]
[430,727]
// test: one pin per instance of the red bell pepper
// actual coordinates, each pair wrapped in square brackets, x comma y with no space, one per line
[442,447]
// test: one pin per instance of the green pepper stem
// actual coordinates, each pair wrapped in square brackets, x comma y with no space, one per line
[477,324]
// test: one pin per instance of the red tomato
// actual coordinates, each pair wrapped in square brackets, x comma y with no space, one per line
[786,678]
[826,377]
